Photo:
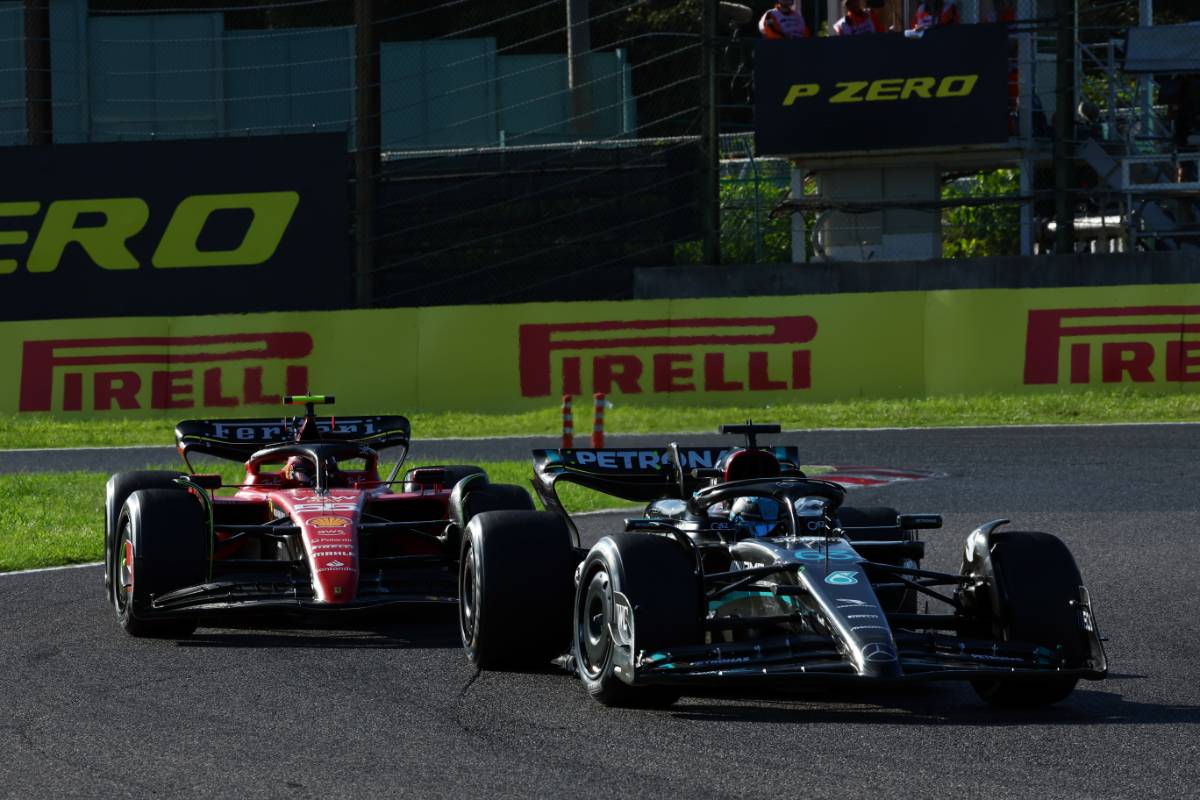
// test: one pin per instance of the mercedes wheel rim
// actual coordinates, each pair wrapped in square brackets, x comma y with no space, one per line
[592,624]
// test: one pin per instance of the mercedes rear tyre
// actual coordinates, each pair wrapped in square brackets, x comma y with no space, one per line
[515,589]
[1038,584]
[658,577]
[161,545]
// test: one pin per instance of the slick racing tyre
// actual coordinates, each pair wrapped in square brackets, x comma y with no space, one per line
[658,577]
[1037,583]
[515,589]
[161,544]
[472,496]
[116,492]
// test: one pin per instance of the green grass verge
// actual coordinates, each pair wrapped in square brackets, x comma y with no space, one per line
[29,430]
[52,519]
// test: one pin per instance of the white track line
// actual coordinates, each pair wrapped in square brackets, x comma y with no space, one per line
[52,569]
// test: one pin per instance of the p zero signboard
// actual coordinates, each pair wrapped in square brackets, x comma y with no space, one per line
[182,227]
[881,92]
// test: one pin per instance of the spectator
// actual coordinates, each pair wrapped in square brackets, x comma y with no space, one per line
[856,20]
[784,21]
[949,14]
[932,13]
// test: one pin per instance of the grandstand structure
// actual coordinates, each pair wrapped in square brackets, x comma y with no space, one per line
[538,149]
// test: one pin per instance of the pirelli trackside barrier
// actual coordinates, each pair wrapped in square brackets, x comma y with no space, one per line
[836,94]
[746,351]
[180,227]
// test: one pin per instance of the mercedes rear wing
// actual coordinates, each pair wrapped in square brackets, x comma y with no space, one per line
[638,474]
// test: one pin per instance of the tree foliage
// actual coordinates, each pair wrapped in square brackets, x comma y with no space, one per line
[988,230]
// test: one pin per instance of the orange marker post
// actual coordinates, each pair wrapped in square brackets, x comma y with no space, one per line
[568,428]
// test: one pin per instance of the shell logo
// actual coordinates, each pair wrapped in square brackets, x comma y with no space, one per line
[329,522]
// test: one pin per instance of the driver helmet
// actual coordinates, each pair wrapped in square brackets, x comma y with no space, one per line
[757,516]
[298,471]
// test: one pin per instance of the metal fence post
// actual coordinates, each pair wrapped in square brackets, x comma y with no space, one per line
[366,148]
[710,156]
[38,112]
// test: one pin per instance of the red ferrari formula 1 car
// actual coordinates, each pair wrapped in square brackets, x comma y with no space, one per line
[311,527]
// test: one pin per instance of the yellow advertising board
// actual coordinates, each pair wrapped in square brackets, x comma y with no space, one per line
[1080,338]
[743,351]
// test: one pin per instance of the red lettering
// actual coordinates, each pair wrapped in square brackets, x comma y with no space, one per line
[296,379]
[668,377]
[1081,357]
[572,384]
[121,387]
[538,342]
[1181,357]
[1047,329]
[714,375]
[212,390]
[623,371]
[252,390]
[41,359]
[167,388]
[1134,358]
[760,377]
[801,369]
[73,392]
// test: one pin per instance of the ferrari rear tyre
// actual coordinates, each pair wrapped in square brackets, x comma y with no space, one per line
[658,577]
[496,497]
[117,491]
[1038,582]
[161,545]
[515,589]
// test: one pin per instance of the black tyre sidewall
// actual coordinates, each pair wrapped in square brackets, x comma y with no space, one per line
[658,577]
[116,492]
[169,533]
[520,565]
[1036,580]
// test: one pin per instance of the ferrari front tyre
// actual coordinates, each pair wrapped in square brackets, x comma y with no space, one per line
[515,589]
[659,579]
[1038,583]
[116,492]
[161,545]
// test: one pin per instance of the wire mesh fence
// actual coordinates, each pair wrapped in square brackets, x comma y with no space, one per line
[522,149]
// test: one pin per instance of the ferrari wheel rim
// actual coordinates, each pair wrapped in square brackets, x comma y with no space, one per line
[123,585]
[467,597]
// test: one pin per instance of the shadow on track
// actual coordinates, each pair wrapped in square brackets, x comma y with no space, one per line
[934,706]
[431,628]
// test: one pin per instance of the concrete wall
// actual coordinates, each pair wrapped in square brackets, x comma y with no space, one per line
[1016,272]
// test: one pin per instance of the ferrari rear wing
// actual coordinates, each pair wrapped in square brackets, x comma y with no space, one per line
[238,439]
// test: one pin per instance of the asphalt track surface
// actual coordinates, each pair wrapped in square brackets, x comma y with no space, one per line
[390,707]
